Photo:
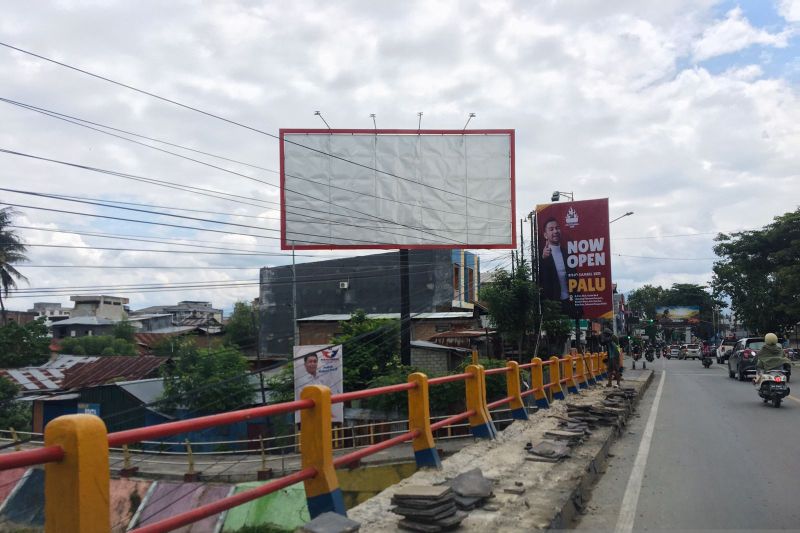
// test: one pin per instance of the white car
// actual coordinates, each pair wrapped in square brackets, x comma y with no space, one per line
[691,350]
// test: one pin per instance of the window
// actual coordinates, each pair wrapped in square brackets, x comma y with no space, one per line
[456,282]
[442,328]
[470,285]
[72,333]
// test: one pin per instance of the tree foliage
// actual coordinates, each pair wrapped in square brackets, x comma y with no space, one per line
[123,330]
[26,345]
[241,326]
[205,381]
[512,303]
[644,301]
[13,414]
[370,349]
[97,345]
[12,251]
[760,272]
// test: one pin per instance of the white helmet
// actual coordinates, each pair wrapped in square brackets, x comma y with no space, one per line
[771,338]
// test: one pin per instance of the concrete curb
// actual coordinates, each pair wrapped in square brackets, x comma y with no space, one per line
[576,496]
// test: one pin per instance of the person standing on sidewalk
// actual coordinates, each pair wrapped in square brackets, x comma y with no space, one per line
[610,342]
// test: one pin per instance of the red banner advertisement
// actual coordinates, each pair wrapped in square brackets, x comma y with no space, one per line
[575,257]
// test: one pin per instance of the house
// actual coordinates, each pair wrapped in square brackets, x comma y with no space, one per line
[46,378]
[83,326]
[321,329]
[101,306]
[20,317]
[188,313]
[440,280]
[435,359]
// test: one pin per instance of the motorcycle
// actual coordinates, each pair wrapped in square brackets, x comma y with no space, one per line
[772,386]
[707,361]
[648,355]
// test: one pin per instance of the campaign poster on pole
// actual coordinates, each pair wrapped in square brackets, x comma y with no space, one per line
[575,257]
[319,364]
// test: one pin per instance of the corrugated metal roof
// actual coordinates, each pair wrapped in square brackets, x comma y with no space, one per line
[112,368]
[64,361]
[389,316]
[433,346]
[144,390]
[85,321]
[34,379]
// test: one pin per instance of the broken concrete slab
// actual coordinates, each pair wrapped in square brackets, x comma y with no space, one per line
[472,484]
[418,492]
[330,523]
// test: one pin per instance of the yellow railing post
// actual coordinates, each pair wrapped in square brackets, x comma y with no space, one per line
[480,423]
[514,390]
[555,378]
[582,372]
[322,491]
[419,418]
[569,374]
[537,384]
[76,490]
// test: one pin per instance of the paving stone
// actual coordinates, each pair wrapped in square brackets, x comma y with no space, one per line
[330,523]
[440,511]
[471,484]
[423,504]
[452,521]
[417,526]
[418,492]
[467,504]
[514,490]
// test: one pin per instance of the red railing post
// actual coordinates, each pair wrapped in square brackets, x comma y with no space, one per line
[322,491]
[76,489]
[419,418]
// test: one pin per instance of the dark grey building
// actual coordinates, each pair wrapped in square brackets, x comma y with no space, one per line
[440,280]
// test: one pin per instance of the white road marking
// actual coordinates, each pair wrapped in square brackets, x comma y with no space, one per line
[627,512]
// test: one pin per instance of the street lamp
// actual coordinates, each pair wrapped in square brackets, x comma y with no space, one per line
[629,213]
[559,194]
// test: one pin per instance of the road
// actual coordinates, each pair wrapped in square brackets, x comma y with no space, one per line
[718,458]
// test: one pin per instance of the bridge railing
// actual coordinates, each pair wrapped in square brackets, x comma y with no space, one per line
[76,447]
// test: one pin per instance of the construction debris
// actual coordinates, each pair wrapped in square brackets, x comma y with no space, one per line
[426,508]
[330,523]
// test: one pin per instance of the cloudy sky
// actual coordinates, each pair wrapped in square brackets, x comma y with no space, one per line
[683,111]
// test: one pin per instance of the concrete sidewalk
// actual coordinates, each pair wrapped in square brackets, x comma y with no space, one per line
[554,493]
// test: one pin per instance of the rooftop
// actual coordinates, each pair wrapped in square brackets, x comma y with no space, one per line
[112,368]
[390,316]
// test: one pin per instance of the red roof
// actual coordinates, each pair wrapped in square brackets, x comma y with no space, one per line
[112,368]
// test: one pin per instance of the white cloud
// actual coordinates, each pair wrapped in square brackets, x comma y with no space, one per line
[790,10]
[595,90]
[732,34]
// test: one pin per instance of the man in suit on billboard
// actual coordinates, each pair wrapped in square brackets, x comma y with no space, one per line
[554,272]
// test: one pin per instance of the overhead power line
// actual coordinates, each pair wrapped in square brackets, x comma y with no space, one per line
[150,180]
[235,123]
[79,122]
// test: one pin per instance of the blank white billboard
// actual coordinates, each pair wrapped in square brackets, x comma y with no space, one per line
[397,189]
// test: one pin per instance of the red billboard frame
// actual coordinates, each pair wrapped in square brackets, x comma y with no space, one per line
[285,246]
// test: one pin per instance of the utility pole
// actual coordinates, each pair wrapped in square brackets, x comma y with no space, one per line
[405,309]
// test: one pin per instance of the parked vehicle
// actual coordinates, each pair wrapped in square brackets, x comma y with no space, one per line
[692,351]
[742,361]
[772,386]
[724,350]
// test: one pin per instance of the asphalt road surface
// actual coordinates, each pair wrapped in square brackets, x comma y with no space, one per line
[715,457]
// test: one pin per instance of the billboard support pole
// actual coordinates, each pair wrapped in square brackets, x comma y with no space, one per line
[295,340]
[405,310]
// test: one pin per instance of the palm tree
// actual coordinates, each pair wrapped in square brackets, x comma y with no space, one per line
[11,251]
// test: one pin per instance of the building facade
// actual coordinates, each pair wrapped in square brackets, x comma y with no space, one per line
[440,280]
[102,306]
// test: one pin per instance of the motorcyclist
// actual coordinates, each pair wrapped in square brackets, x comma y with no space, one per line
[610,341]
[770,357]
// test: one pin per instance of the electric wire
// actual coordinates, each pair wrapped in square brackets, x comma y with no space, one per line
[239,124]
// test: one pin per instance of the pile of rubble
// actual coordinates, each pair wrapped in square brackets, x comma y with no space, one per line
[581,419]
[442,507]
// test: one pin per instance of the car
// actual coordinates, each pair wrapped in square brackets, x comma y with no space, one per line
[674,351]
[742,360]
[691,350]
[724,350]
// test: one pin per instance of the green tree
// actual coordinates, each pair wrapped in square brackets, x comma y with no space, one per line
[13,414]
[12,251]
[512,303]
[645,300]
[26,345]
[281,385]
[123,330]
[97,345]
[370,349]
[557,327]
[759,271]
[206,381]
[241,327]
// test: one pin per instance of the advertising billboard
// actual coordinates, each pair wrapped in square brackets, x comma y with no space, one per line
[362,189]
[575,257]
[318,364]
[678,315]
